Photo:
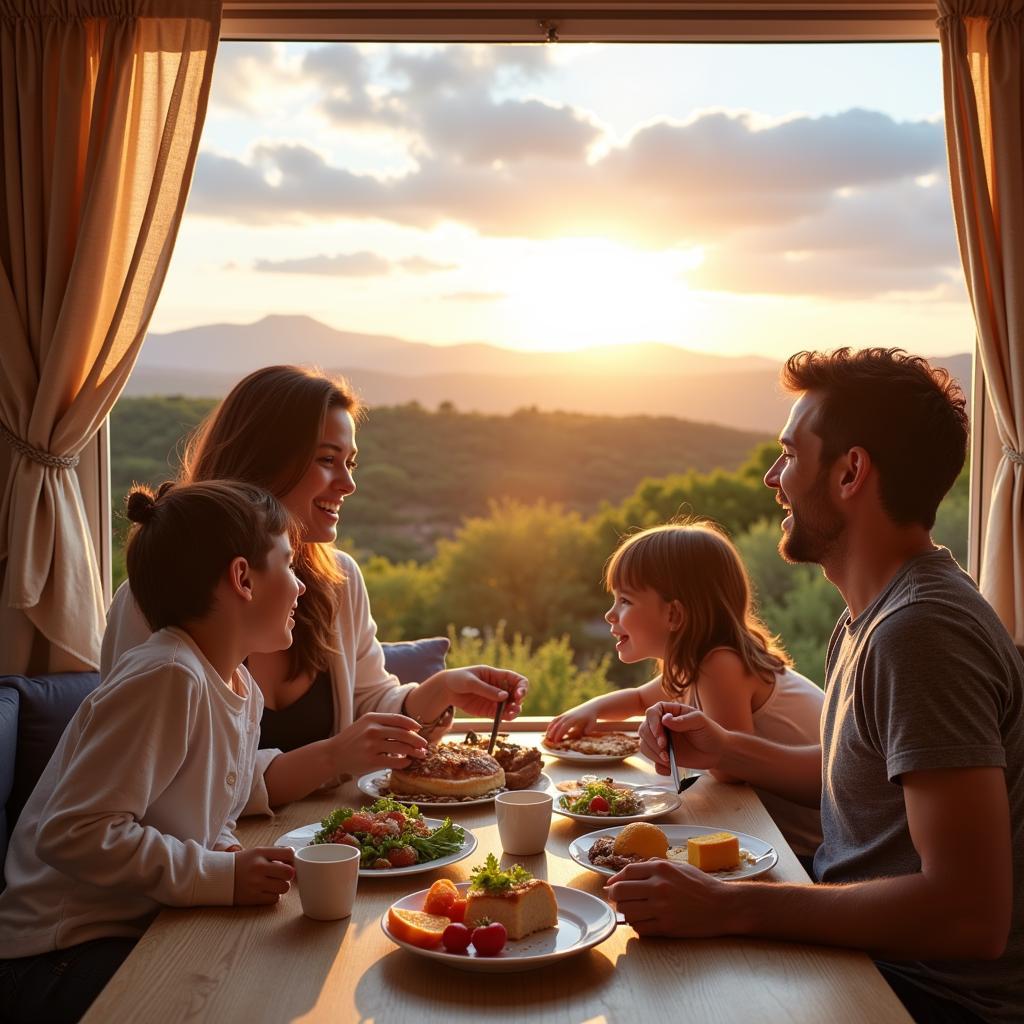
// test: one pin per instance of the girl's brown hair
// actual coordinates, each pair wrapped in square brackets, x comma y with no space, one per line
[697,565]
[184,538]
[266,432]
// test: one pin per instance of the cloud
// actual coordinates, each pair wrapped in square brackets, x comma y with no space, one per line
[421,265]
[670,184]
[828,204]
[245,72]
[475,297]
[898,238]
[444,101]
[353,264]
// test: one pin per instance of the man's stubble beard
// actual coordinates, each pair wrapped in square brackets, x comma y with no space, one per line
[816,530]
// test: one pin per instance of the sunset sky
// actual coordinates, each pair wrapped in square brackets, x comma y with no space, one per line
[736,199]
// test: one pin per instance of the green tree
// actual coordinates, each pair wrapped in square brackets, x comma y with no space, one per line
[557,679]
[405,599]
[534,566]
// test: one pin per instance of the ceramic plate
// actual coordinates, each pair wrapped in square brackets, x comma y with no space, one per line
[375,784]
[583,921]
[677,836]
[575,757]
[657,802]
[303,836]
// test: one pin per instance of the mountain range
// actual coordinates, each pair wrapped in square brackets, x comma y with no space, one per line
[657,379]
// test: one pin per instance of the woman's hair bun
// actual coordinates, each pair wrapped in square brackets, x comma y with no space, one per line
[140,504]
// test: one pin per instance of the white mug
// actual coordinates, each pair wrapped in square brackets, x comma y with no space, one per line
[327,876]
[524,819]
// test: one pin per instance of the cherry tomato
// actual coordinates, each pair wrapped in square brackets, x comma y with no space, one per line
[402,856]
[489,939]
[456,937]
[599,805]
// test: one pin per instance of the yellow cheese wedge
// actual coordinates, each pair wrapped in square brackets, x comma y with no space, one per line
[717,851]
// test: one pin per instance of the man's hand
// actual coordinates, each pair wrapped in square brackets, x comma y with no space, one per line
[698,741]
[263,874]
[479,689]
[658,897]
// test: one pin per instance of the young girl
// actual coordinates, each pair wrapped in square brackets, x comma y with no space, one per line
[682,595]
[136,809]
[332,708]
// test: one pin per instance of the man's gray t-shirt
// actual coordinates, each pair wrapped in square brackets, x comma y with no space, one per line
[926,677]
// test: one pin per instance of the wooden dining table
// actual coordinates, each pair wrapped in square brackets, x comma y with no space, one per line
[232,964]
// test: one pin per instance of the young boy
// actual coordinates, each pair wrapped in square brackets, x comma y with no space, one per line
[136,809]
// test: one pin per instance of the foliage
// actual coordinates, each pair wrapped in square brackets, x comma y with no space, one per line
[438,555]
[405,599]
[557,681]
[533,566]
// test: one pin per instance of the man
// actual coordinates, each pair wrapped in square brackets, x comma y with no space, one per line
[920,774]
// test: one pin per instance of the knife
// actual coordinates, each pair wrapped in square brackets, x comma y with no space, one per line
[497,723]
[680,785]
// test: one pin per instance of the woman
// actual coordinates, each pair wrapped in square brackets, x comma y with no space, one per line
[331,707]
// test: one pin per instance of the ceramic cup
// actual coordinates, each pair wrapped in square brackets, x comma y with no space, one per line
[327,876]
[524,819]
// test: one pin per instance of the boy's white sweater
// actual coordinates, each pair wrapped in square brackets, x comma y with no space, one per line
[143,788]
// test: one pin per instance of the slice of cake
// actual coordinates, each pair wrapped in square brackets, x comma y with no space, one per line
[716,851]
[522,903]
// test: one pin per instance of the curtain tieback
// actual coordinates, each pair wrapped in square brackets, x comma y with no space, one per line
[37,454]
[1013,455]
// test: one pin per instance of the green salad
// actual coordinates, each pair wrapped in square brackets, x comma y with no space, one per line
[390,835]
[603,798]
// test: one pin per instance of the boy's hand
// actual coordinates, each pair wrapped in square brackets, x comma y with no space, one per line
[263,874]
[572,724]
[698,741]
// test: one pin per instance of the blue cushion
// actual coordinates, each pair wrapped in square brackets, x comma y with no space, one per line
[46,706]
[415,660]
[8,746]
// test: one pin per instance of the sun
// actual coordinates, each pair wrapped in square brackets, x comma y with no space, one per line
[574,293]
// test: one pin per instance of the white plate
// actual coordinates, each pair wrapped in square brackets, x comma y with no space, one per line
[299,837]
[371,784]
[657,802]
[677,836]
[583,921]
[575,757]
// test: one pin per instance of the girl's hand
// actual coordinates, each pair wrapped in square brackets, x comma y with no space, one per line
[263,874]
[477,690]
[378,740]
[573,723]
[699,742]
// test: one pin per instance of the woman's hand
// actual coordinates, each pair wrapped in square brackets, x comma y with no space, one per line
[378,740]
[698,741]
[572,723]
[478,690]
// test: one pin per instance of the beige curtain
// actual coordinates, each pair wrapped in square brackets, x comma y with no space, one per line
[983,75]
[101,106]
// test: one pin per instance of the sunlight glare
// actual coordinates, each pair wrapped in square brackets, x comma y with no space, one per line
[572,293]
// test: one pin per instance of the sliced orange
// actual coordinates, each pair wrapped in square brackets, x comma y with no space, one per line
[417,928]
[440,898]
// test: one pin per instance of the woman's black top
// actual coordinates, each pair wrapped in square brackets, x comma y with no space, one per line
[307,720]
